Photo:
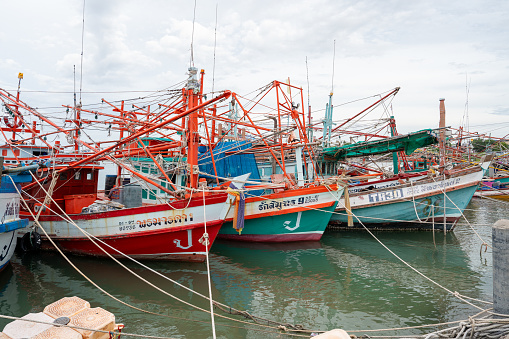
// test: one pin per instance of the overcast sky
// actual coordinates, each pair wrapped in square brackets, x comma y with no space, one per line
[431,49]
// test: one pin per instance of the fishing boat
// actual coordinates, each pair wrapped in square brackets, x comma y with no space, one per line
[165,177]
[493,189]
[301,214]
[9,209]
[291,206]
[64,199]
[431,201]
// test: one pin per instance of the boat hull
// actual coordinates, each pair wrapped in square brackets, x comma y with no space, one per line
[181,244]
[8,241]
[160,232]
[421,205]
[294,215]
[10,221]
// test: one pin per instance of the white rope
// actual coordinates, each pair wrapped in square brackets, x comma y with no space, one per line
[456,294]
[206,243]
[415,208]
[463,215]
[94,239]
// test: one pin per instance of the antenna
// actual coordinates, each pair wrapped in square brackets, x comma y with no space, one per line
[191,62]
[310,129]
[333,59]
[307,76]
[467,89]
[214,65]
[74,73]
[82,39]
[327,121]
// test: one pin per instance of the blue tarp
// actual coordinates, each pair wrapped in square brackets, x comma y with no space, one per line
[229,163]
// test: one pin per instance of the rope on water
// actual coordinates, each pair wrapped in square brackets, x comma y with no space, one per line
[258,320]
[484,243]
[456,294]
[205,241]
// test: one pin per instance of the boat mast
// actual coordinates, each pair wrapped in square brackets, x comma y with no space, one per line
[327,121]
[15,122]
[193,92]
[442,133]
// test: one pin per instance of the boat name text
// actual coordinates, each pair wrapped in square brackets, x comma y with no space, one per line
[273,204]
[133,224]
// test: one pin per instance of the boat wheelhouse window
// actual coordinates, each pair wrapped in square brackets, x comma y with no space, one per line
[63,176]
[39,153]
[77,175]
[90,176]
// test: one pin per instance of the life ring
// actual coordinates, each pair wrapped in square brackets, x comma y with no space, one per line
[15,124]
[39,172]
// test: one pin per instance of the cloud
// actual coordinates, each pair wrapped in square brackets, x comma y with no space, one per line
[427,48]
[500,111]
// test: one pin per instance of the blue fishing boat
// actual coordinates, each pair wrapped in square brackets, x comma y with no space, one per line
[9,209]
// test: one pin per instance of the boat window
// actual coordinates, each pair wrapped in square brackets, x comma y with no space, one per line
[39,153]
[77,175]
[63,176]
[90,176]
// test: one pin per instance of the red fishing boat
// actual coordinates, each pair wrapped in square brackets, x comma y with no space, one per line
[65,202]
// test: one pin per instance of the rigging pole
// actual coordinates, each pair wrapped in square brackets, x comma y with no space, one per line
[327,121]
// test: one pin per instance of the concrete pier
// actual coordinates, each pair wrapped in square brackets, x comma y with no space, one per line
[500,233]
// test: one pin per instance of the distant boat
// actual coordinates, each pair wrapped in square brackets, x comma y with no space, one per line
[493,188]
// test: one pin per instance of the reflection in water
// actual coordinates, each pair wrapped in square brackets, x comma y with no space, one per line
[347,280]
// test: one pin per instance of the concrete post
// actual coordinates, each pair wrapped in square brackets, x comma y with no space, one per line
[501,266]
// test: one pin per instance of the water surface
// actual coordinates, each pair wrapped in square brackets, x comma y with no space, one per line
[347,280]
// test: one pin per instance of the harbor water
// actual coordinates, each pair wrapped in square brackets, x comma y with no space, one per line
[347,280]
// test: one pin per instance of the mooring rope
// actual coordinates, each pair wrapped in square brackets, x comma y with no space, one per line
[484,243]
[258,320]
[456,294]
[296,328]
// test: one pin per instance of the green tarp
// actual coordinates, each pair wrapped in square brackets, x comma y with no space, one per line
[408,143]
